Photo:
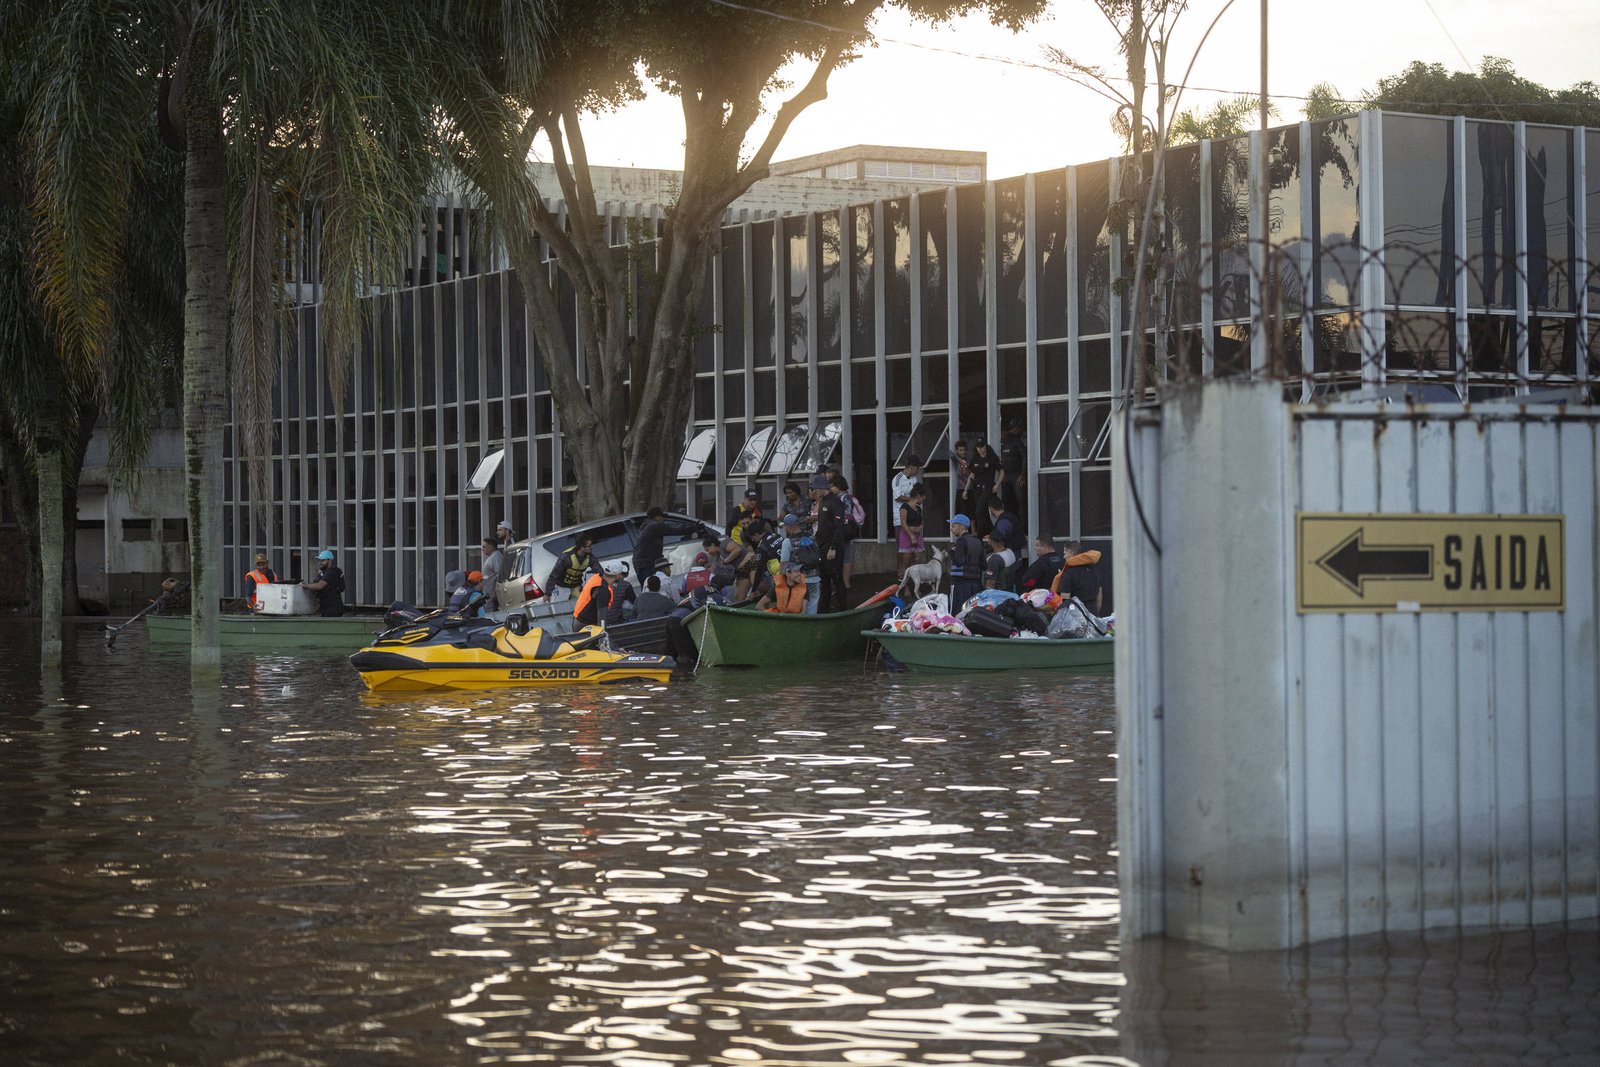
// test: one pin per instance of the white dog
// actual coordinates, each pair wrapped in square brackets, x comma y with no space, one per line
[919,574]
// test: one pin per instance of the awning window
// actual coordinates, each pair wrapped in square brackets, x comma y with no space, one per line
[754,451]
[697,453]
[787,450]
[485,472]
[1088,436]
[927,441]
[824,443]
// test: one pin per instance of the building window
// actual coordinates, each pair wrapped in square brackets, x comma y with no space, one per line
[175,531]
[136,529]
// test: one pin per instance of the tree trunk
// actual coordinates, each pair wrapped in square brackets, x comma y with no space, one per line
[22,498]
[205,368]
[73,451]
[50,552]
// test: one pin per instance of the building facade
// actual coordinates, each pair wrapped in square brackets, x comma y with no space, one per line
[1394,255]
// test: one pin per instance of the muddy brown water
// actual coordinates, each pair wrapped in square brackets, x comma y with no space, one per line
[844,866]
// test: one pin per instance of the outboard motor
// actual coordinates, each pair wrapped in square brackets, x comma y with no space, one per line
[401,614]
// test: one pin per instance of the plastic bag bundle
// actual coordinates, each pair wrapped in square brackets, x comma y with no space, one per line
[987,599]
[938,603]
[926,621]
[896,625]
[1045,600]
[1069,622]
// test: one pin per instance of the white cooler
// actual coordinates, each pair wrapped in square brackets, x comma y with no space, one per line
[284,599]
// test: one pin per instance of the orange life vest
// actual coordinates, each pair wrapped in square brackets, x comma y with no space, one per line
[587,592]
[260,577]
[788,594]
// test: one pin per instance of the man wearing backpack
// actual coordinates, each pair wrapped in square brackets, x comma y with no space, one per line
[1009,527]
[799,549]
[854,516]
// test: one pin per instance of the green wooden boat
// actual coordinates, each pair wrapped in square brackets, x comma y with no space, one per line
[954,652]
[277,633]
[745,637]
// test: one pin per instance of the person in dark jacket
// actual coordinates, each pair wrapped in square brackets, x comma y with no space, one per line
[647,549]
[966,562]
[571,568]
[1080,577]
[831,537]
[468,600]
[1045,566]
[1009,527]
[329,586]
[652,603]
[985,467]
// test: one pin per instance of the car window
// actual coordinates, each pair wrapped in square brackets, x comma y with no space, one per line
[681,529]
[612,540]
[515,558]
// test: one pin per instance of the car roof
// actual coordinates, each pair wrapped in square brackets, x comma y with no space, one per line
[580,527]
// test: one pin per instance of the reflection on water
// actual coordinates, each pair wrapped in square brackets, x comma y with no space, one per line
[806,868]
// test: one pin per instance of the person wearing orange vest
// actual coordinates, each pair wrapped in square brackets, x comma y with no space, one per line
[788,594]
[262,575]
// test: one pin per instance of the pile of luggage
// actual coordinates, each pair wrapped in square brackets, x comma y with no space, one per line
[1036,614]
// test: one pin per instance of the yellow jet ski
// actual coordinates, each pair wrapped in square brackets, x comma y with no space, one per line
[470,654]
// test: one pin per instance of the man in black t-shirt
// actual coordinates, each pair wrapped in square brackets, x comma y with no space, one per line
[1045,566]
[652,536]
[329,586]
[1081,577]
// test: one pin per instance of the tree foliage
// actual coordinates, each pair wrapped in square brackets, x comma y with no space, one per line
[1494,91]
[623,395]
[1226,118]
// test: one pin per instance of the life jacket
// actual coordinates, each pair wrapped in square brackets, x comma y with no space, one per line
[788,593]
[261,578]
[572,573]
[1085,559]
[587,592]
[465,601]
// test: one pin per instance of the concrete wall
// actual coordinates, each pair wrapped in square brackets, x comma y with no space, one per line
[1288,778]
[112,569]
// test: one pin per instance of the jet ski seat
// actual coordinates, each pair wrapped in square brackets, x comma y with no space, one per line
[541,644]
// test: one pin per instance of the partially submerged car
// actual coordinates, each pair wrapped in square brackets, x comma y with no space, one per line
[528,562]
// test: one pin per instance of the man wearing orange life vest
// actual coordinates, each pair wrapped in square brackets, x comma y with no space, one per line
[262,575]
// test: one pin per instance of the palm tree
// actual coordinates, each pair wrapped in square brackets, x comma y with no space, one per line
[272,106]
[50,406]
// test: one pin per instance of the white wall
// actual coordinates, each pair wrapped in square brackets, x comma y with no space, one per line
[1289,778]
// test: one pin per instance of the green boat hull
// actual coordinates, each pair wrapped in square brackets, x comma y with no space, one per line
[953,652]
[744,637]
[274,632]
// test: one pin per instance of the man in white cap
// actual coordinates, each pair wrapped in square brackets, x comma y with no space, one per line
[592,612]
[503,532]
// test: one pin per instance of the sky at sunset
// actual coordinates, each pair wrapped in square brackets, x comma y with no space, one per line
[1027,118]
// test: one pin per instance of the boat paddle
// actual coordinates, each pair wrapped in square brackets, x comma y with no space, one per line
[112,631]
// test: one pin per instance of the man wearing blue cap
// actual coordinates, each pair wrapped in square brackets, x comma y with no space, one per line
[329,586]
[966,562]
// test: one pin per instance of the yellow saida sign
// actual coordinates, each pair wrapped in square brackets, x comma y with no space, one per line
[1354,562]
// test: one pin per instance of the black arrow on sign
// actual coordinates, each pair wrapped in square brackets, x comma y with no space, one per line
[1353,563]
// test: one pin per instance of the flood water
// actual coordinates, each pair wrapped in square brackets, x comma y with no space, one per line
[811,868]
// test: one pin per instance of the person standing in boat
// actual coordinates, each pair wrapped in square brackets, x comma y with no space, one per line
[329,586]
[494,566]
[261,575]
[571,567]
[648,548]
[966,562]
[831,538]
[593,611]
[1080,577]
